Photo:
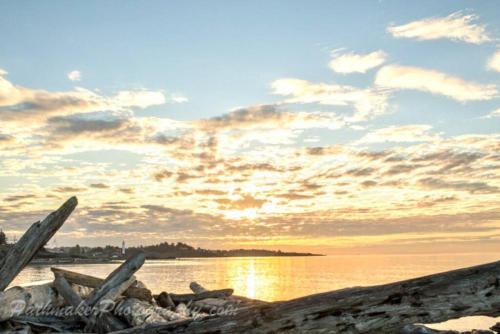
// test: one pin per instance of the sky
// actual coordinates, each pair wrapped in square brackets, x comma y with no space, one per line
[324,126]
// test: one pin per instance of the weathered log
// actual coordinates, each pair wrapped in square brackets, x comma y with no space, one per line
[104,322]
[164,300]
[107,322]
[214,305]
[378,309]
[67,292]
[197,288]
[94,282]
[20,254]
[43,324]
[65,289]
[138,312]
[16,300]
[117,291]
[191,297]
[117,277]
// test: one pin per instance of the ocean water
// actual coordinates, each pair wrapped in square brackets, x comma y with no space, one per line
[282,278]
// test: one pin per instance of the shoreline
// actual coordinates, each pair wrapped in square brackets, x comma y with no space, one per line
[72,261]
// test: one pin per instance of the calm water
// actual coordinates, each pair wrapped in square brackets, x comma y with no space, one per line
[281,278]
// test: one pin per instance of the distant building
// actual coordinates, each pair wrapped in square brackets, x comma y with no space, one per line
[123,247]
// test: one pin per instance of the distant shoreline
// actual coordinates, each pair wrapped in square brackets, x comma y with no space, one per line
[81,261]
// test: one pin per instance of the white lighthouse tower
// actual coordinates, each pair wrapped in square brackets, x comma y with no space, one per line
[123,248]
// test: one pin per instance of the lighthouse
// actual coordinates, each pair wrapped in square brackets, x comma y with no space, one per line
[123,248]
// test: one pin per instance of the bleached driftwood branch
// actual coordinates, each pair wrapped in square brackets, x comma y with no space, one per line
[94,282]
[20,254]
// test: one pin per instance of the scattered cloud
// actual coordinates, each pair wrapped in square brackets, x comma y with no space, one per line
[70,189]
[99,186]
[435,82]
[356,63]
[456,27]
[270,116]
[28,105]
[494,114]
[473,187]
[75,75]
[400,134]
[494,62]
[367,103]
[177,98]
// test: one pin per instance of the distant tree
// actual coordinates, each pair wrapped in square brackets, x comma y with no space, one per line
[75,250]
[3,238]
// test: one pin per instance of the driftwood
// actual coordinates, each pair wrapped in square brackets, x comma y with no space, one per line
[94,282]
[16,300]
[138,312]
[104,322]
[118,290]
[191,297]
[164,300]
[197,288]
[45,324]
[30,243]
[66,291]
[108,291]
[378,309]
[117,277]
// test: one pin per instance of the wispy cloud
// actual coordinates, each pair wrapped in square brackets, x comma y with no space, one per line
[456,27]
[432,81]
[269,116]
[494,114]
[400,134]
[28,105]
[75,75]
[178,98]
[367,103]
[494,62]
[360,63]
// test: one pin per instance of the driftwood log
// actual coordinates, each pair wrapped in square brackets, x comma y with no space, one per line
[16,300]
[108,291]
[20,254]
[117,277]
[138,312]
[191,297]
[378,309]
[94,282]
[104,322]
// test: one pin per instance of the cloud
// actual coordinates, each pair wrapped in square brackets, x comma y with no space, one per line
[360,63]
[456,27]
[416,78]
[79,124]
[28,105]
[367,103]
[494,114]
[70,189]
[75,75]
[4,138]
[245,202]
[269,116]
[177,98]
[99,186]
[472,187]
[494,62]
[400,134]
